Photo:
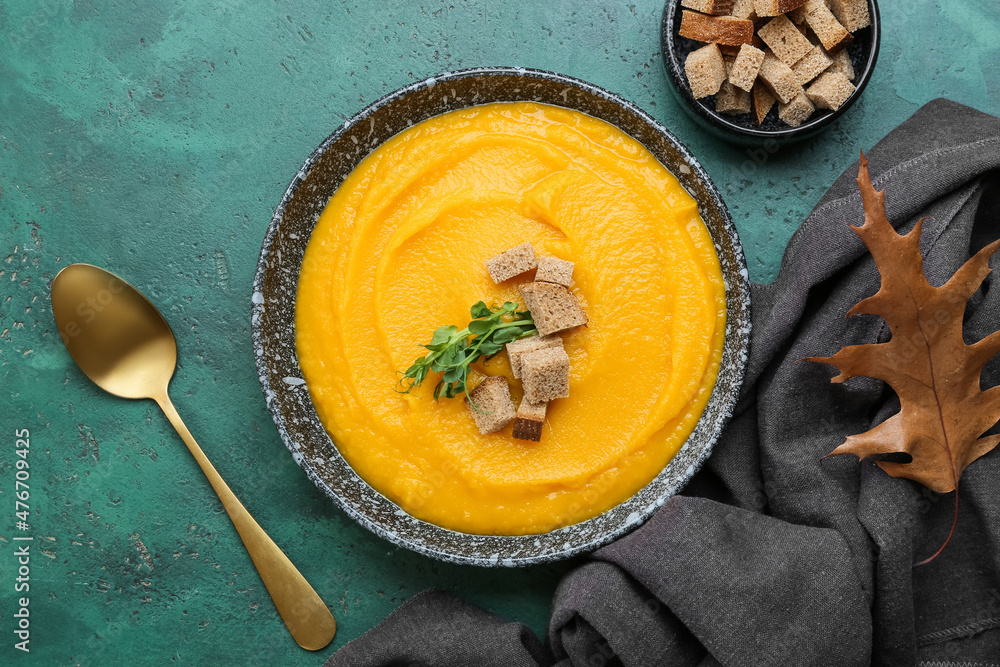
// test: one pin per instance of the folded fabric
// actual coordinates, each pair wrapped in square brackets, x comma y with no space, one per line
[773,556]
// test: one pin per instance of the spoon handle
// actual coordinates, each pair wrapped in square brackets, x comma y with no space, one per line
[305,614]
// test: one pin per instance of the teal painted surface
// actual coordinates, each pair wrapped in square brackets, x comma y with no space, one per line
[155,139]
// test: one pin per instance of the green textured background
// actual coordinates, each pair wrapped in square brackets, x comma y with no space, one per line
[155,138]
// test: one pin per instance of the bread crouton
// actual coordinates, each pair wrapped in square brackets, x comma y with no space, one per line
[779,78]
[775,7]
[842,64]
[553,307]
[744,9]
[763,101]
[511,263]
[529,420]
[716,7]
[555,270]
[852,14]
[492,397]
[744,70]
[730,99]
[825,25]
[798,15]
[812,65]
[705,71]
[733,51]
[830,91]
[717,29]
[785,40]
[545,375]
[797,111]
[516,349]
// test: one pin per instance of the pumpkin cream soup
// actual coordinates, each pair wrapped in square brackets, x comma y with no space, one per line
[400,250]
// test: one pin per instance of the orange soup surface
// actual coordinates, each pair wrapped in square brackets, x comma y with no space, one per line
[400,251]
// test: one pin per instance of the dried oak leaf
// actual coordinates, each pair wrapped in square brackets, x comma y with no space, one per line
[943,411]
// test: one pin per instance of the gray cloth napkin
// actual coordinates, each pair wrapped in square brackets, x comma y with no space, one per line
[772,556]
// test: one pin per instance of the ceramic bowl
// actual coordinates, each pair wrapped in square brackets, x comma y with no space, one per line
[273,312]
[863,51]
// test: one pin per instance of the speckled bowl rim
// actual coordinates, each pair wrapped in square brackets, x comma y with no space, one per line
[385,518]
[722,126]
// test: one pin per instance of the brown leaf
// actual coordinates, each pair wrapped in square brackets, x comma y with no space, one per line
[943,412]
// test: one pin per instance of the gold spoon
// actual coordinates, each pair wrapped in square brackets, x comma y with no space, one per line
[121,342]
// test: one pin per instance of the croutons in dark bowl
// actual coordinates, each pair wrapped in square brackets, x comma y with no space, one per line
[783,76]
[274,295]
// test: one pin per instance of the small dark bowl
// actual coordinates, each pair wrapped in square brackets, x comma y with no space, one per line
[273,312]
[863,51]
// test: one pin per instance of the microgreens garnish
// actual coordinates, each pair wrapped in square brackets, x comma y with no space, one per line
[453,351]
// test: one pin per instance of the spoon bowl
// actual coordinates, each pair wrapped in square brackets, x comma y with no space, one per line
[97,312]
[120,341]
